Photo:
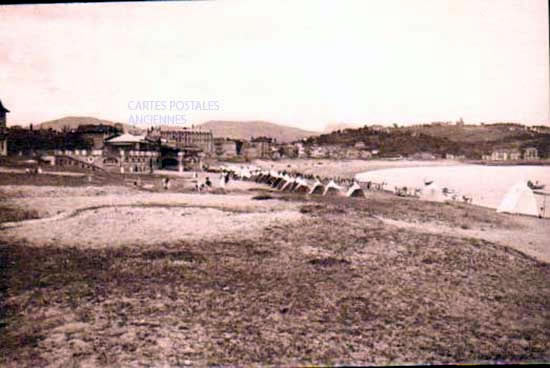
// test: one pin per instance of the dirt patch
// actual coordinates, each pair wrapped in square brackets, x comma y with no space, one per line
[329,262]
[262,197]
[143,226]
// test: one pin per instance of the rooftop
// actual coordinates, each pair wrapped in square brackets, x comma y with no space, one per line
[2,108]
[127,138]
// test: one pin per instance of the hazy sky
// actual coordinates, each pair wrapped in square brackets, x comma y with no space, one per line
[302,63]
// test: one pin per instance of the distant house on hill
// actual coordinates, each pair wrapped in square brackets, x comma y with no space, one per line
[360,145]
[450,156]
[3,127]
[530,153]
[379,128]
[317,152]
[423,156]
[541,129]
[505,155]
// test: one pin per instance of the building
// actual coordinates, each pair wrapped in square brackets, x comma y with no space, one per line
[423,156]
[184,138]
[360,145]
[530,153]
[97,134]
[288,150]
[302,152]
[130,154]
[505,155]
[379,128]
[225,148]
[3,131]
[249,151]
[263,144]
[540,129]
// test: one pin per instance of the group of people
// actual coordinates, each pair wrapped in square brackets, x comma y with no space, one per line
[34,170]
[207,184]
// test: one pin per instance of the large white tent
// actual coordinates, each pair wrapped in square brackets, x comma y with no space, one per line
[519,199]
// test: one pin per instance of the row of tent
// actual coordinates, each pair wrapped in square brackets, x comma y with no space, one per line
[520,199]
[289,183]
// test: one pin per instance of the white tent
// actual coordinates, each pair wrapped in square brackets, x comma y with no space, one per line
[355,191]
[245,173]
[288,184]
[317,188]
[332,188]
[302,186]
[519,199]
[432,193]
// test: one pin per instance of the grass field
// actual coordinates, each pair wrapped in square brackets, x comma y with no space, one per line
[337,284]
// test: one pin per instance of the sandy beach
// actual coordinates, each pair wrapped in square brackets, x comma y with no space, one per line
[344,168]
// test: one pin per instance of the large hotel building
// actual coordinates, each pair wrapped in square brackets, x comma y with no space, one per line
[185,138]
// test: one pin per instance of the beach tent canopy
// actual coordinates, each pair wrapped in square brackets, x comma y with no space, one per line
[432,193]
[332,188]
[355,191]
[519,199]
[317,188]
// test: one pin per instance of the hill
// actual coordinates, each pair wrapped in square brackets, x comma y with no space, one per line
[329,128]
[248,129]
[472,133]
[73,122]
[470,140]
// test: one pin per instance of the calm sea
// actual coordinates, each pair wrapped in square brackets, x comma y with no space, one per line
[487,185]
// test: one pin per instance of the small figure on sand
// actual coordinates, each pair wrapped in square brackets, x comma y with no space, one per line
[166,183]
[207,182]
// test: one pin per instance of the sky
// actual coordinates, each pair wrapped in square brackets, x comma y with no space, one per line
[301,63]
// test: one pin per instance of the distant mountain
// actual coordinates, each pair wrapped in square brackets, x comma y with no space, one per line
[248,129]
[229,129]
[73,122]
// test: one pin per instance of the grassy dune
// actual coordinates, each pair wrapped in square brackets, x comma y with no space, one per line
[337,287]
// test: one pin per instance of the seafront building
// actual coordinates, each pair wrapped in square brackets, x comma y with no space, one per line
[3,131]
[184,138]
